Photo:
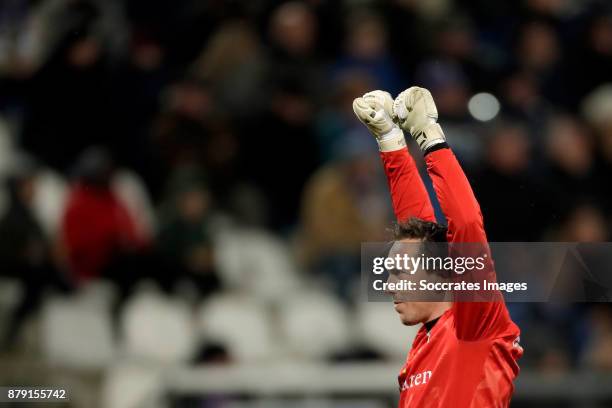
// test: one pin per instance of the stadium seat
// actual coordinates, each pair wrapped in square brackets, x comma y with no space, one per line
[314,325]
[131,386]
[240,323]
[6,148]
[11,293]
[77,334]
[50,194]
[379,329]
[256,262]
[133,193]
[309,403]
[341,403]
[4,201]
[157,328]
[99,293]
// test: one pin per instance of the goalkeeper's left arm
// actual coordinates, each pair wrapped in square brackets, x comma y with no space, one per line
[416,112]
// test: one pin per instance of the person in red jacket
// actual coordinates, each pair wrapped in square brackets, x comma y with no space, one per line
[97,227]
[465,354]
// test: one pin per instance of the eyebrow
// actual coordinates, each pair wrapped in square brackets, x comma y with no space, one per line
[394,272]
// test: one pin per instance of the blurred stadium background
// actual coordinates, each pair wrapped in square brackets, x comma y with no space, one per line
[185,190]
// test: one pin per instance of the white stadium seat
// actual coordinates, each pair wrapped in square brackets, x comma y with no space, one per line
[133,193]
[380,329]
[132,386]
[99,293]
[308,403]
[6,148]
[11,294]
[314,324]
[240,323]
[157,328]
[76,334]
[50,195]
[256,262]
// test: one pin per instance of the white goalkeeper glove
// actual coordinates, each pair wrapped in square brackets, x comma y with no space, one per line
[375,110]
[415,111]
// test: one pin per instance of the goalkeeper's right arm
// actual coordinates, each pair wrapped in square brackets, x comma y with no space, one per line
[408,193]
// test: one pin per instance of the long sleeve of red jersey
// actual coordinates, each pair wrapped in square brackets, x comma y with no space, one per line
[456,197]
[408,192]
[474,320]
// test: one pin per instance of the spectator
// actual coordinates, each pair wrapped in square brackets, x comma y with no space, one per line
[185,237]
[450,88]
[573,169]
[598,354]
[512,202]
[138,82]
[455,41]
[293,32]
[584,223]
[539,54]
[234,64]
[597,110]
[337,118]
[591,59]
[97,229]
[366,51]
[343,205]
[523,102]
[69,96]
[25,252]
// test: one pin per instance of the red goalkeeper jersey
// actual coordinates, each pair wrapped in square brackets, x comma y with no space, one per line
[469,357]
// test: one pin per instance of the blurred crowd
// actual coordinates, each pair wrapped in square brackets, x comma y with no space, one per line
[188,142]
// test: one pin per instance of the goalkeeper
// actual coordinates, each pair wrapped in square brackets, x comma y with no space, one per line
[465,353]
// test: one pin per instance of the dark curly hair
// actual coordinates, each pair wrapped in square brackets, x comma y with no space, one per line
[417,228]
[433,236]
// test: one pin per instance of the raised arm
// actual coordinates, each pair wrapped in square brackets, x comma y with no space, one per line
[455,195]
[416,112]
[408,193]
[473,320]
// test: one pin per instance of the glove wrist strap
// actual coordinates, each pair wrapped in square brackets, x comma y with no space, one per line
[392,140]
[430,136]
